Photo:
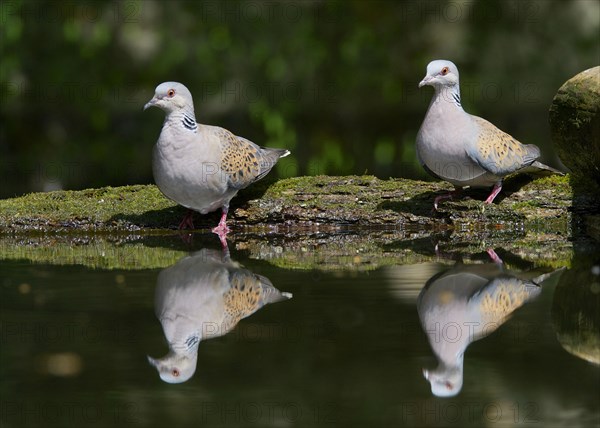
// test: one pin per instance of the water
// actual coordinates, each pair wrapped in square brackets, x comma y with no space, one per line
[347,350]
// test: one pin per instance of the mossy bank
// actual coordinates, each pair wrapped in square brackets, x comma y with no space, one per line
[300,203]
[325,223]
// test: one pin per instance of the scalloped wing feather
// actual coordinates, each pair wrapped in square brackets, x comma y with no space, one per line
[244,162]
[498,152]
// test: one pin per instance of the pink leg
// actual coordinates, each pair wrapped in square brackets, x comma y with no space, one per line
[188,221]
[226,256]
[222,230]
[495,191]
[440,198]
[495,257]
[224,247]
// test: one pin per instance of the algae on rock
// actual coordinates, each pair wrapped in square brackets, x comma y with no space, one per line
[325,223]
[302,202]
[575,123]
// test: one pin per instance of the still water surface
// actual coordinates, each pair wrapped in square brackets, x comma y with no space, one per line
[102,347]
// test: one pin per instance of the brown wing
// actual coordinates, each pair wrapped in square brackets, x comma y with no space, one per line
[498,152]
[245,162]
[248,293]
[240,160]
[243,298]
[501,298]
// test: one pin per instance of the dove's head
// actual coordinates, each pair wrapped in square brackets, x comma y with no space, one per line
[440,73]
[175,368]
[445,381]
[170,97]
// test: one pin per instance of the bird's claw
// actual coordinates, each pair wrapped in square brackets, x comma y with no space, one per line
[221,231]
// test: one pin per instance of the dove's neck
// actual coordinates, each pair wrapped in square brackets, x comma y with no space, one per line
[451,352]
[187,346]
[445,95]
[192,341]
[452,364]
[183,118]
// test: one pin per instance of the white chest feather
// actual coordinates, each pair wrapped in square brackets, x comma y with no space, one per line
[445,133]
[186,166]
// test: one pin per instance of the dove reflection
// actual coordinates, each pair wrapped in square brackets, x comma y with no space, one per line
[464,304]
[201,297]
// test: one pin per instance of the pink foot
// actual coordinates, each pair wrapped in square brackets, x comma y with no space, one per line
[495,191]
[495,257]
[188,221]
[222,230]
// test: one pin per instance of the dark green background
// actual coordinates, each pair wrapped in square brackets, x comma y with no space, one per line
[335,82]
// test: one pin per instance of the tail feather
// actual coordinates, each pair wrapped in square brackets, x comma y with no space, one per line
[539,279]
[268,158]
[269,293]
[278,153]
[538,168]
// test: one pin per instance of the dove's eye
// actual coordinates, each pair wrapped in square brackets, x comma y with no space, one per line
[445,71]
[175,372]
[171,92]
[449,386]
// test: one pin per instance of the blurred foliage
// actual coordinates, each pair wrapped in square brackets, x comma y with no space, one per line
[335,82]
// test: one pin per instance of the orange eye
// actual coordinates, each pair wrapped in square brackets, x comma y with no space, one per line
[445,71]
[174,372]
[171,93]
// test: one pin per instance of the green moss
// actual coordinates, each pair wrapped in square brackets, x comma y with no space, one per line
[554,180]
[301,202]
[525,205]
[105,208]
[324,223]
[574,119]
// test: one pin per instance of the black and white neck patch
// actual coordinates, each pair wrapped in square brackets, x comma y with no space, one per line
[456,98]
[189,122]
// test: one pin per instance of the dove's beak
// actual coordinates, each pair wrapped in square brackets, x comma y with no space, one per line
[151,360]
[151,103]
[425,373]
[425,81]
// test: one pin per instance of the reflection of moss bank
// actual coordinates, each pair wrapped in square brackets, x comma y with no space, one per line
[345,250]
[576,313]
[95,251]
[369,252]
[541,206]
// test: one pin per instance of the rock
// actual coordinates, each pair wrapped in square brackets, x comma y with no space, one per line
[575,123]
[576,310]
[316,203]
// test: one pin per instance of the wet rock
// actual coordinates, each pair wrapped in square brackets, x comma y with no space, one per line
[576,311]
[542,206]
[575,123]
